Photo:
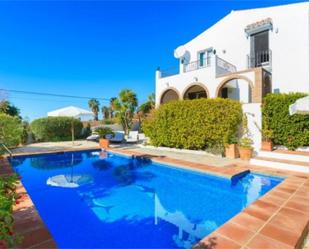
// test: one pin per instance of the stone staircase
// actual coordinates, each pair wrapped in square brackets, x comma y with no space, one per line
[283,159]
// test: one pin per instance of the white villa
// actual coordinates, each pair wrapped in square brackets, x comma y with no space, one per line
[244,56]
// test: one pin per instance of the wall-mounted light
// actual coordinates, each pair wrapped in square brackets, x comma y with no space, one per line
[195,79]
[167,84]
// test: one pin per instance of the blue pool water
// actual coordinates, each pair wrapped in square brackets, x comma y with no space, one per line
[99,200]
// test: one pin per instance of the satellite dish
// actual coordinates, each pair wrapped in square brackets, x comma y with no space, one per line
[180,52]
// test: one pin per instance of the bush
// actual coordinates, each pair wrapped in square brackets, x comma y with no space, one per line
[11,130]
[194,124]
[53,129]
[7,200]
[290,131]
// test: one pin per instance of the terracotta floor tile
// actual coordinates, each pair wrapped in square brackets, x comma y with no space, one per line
[263,242]
[249,221]
[257,212]
[217,241]
[283,235]
[278,201]
[238,233]
[300,206]
[266,205]
[291,220]
[35,237]
[49,244]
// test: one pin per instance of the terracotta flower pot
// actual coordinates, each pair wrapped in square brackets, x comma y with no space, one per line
[231,151]
[245,153]
[267,145]
[104,143]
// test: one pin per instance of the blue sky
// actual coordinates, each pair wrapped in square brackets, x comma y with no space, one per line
[96,48]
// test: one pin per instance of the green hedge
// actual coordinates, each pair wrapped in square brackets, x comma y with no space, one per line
[55,129]
[194,124]
[11,130]
[290,131]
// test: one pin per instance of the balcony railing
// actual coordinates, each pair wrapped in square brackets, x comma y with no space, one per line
[259,59]
[224,67]
[195,65]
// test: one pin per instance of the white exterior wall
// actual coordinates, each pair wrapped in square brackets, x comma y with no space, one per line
[288,40]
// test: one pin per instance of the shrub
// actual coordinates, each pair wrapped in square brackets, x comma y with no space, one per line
[290,131]
[11,130]
[194,124]
[7,200]
[55,129]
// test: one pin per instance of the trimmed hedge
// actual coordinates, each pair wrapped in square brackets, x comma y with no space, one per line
[194,124]
[290,131]
[11,130]
[53,129]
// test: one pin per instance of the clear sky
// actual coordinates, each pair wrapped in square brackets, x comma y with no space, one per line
[96,48]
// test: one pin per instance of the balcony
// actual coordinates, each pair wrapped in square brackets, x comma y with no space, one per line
[260,59]
[220,66]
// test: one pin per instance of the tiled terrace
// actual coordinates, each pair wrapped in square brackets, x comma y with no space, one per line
[277,220]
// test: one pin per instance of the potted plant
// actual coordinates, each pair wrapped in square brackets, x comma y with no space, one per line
[231,147]
[102,132]
[245,148]
[245,143]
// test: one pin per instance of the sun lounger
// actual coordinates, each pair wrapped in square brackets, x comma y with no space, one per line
[132,137]
[93,137]
[117,137]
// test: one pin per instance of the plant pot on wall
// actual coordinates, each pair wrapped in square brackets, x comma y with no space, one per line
[231,151]
[267,145]
[245,153]
[104,143]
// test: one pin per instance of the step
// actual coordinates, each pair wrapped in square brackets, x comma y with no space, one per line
[292,152]
[281,164]
[285,155]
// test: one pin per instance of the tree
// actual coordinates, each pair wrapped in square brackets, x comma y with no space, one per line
[11,130]
[125,106]
[9,109]
[105,112]
[94,105]
[147,106]
[112,106]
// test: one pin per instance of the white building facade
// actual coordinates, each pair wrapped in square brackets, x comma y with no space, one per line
[244,56]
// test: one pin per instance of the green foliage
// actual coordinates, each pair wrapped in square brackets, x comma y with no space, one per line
[103,131]
[11,130]
[125,106]
[194,124]
[290,131]
[7,199]
[94,105]
[9,109]
[106,111]
[53,129]
[86,131]
[245,141]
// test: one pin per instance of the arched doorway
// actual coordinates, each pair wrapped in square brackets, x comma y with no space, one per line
[168,96]
[195,91]
[239,89]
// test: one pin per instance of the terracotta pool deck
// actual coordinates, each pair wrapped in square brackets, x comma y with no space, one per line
[279,219]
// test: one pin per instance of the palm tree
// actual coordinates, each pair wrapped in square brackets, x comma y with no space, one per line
[105,112]
[125,106]
[94,105]
[112,106]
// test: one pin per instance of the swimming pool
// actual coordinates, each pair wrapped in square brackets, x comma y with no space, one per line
[94,199]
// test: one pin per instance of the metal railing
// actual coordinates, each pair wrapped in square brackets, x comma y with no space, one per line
[195,65]
[259,59]
[7,149]
[169,72]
